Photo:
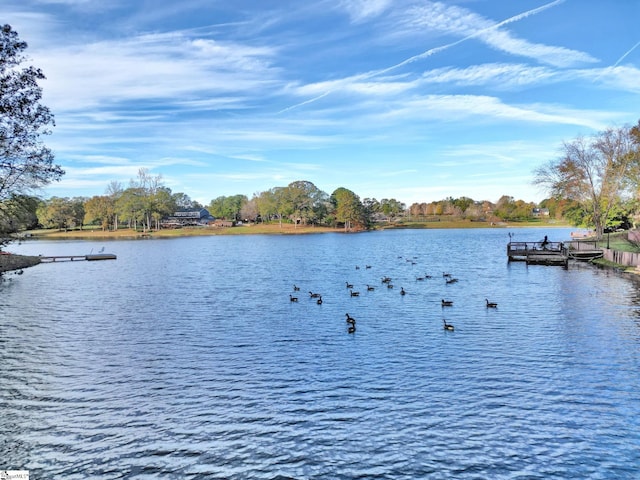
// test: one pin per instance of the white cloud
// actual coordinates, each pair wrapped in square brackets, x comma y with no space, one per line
[170,67]
[361,10]
[497,75]
[459,107]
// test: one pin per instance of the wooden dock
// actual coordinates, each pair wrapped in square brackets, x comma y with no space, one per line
[553,253]
[584,250]
[77,258]
[538,253]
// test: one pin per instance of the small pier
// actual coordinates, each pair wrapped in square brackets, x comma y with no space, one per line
[538,253]
[77,258]
[584,250]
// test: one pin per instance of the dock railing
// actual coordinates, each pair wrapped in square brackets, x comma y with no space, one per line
[522,249]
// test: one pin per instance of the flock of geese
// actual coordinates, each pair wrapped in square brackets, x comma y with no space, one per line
[386,281]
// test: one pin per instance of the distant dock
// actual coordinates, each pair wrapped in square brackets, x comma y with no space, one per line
[77,258]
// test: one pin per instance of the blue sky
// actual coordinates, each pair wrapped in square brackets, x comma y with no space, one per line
[412,100]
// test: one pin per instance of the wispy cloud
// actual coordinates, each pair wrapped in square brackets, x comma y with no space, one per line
[458,107]
[498,75]
[462,22]
[361,10]
[170,68]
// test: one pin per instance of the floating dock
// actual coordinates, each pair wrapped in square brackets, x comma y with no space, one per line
[77,258]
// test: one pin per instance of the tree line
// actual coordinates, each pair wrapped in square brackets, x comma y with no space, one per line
[147,201]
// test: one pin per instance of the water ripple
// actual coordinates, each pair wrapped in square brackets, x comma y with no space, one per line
[196,365]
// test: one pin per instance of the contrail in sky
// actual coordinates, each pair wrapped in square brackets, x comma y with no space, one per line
[435,50]
[628,52]
[432,51]
[604,70]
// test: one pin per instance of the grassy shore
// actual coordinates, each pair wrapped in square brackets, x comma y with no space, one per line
[270,229]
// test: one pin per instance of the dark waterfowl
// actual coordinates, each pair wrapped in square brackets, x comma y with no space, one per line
[352,324]
[447,303]
[447,326]
[292,298]
[491,304]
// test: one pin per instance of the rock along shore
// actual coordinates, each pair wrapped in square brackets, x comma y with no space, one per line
[10,262]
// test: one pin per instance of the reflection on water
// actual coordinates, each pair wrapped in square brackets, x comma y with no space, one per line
[185,358]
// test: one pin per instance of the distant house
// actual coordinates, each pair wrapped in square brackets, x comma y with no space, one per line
[185,218]
[540,212]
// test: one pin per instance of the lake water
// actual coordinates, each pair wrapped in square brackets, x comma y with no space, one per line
[186,359]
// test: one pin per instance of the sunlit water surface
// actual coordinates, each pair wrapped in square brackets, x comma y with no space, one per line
[185,358]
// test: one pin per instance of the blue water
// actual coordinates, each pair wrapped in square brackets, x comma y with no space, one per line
[185,358]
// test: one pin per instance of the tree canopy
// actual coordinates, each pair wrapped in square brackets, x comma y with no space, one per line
[26,164]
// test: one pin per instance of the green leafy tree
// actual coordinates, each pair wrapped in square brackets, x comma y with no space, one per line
[348,208]
[227,207]
[130,206]
[274,203]
[100,209]
[184,202]
[62,213]
[392,208]
[26,164]
[308,203]
[19,213]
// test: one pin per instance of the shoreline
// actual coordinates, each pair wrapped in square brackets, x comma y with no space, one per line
[270,229]
[12,262]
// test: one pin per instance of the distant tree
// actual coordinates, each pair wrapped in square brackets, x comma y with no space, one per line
[130,206]
[392,208]
[114,191]
[184,202]
[274,203]
[348,209]
[250,211]
[227,207]
[26,164]
[371,207]
[100,209]
[308,203]
[463,203]
[163,205]
[62,213]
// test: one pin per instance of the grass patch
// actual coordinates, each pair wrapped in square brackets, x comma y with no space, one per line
[124,233]
[619,241]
